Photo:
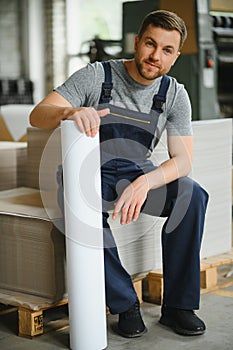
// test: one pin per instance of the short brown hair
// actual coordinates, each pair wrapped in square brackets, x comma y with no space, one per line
[166,20]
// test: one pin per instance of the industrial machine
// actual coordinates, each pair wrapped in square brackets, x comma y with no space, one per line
[100,50]
[223,38]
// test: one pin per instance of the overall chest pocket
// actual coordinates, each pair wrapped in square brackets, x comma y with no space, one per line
[127,134]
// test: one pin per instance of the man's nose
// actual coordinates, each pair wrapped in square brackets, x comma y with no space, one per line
[156,54]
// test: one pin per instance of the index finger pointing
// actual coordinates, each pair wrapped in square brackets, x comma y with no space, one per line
[103,112]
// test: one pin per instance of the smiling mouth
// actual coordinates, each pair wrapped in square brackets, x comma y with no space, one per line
[152,65]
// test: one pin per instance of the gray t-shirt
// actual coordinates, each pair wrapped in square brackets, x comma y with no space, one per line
[83,88]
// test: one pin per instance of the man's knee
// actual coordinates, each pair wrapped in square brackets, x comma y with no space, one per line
[199,194]
[189,187]
[190,202]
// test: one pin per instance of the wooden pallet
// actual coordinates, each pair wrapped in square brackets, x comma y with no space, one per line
[31,322]
[211,277]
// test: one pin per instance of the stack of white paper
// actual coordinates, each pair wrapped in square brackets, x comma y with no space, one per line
[213,170]
[13,159]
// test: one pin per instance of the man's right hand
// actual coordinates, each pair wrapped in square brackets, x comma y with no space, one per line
[54,108]
[87,119]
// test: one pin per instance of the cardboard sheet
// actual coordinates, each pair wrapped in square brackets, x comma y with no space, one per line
[32,251]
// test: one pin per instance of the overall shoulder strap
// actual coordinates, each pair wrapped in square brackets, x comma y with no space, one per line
[107,85]
[160,97]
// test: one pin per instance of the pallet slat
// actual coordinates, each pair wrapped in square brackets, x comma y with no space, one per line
[30,322]
[209,277]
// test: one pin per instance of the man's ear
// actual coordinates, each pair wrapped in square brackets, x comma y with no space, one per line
[177,55]
[136,41]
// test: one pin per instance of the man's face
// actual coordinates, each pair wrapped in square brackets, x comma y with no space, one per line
[155,52]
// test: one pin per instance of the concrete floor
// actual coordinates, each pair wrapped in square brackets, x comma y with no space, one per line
[216,310]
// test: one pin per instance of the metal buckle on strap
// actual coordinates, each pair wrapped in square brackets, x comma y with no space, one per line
[158,102]
[107,91]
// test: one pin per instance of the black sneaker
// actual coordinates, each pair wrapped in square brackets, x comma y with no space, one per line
[130,324]
[184,322]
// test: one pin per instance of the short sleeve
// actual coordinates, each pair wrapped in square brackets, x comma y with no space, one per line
[180,113]
[83,87]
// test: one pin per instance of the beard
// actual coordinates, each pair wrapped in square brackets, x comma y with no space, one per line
[146,73]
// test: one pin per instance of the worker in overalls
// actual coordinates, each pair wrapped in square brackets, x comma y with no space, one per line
[131,102]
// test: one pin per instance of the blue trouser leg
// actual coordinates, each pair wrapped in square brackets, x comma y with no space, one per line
[184,203]
[181,241]
[181,248]
[120,293]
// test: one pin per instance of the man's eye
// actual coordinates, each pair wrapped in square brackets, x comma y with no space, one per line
[168,51]
[150,43]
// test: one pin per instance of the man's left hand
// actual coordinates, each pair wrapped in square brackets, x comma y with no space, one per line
[131,200]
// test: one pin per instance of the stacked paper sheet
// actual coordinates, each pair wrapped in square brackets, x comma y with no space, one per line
[44,157]
[213,170]
[32,250]
[139,244]
[13,162]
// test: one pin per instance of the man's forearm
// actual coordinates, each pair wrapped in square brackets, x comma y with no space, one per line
[47,116]
[167,172]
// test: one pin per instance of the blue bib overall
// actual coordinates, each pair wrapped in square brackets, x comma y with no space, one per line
[126,136]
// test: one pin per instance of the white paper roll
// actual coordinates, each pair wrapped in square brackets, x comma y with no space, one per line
[84,238]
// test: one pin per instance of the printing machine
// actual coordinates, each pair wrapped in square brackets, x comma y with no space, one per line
[223,38]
